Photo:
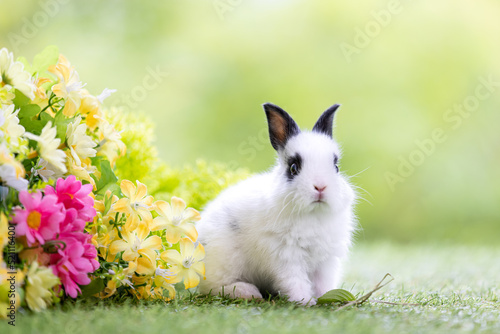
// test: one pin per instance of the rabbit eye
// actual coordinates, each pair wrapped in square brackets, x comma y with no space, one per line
[294,164]
[335,162]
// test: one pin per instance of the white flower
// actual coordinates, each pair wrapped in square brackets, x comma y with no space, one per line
[11,171]
[105,94]
[39,281]
[165,273]
[110,145]
[12,73]
[80,145]
[10,129]
[9,176]
[48,146]
[45,170]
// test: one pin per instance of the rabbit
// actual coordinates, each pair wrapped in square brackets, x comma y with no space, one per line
[285,231]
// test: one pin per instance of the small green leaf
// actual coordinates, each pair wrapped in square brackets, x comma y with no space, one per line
[46,117]
[95,286]
[44,59]
[28,120]
[27,66]
[336,296]
[20,99]
[62,122]
[108,178]
[29,111]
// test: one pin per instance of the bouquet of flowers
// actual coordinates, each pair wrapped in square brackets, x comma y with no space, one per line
[68,225]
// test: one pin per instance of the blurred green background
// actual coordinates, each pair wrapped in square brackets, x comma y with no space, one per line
[418,81]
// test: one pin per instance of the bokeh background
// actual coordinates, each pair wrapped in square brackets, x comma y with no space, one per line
[419,84]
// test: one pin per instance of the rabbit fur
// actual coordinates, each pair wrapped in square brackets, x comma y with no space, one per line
[286,231]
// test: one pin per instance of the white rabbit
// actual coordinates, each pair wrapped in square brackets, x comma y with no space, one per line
[285,231]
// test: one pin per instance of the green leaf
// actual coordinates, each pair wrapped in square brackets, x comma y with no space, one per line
[29,111]
[20,99]
[62,122]
[336,296]
[108,178]
[27,66]
[44,59]
[95,286]
[31,123]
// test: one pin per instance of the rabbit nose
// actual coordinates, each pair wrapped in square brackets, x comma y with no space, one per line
[320,188]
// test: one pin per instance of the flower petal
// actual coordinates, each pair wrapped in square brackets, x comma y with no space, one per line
[128,188]
[142,190]
[186,247]
[153,242]
[171,291]
[178,205]
[199,253]
[145,266]
[189,230]
[142,230]
[132,222]
[163,209]
[191,215]
[150,254]
[118,246]
[145,214]
[192,279]
[122,205]
[159,223]
[199,267]
[129,255]
[173,234]
[172,256]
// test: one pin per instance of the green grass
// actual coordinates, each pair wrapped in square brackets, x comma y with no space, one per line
[457,289]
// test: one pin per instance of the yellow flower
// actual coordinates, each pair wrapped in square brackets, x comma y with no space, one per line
[176,219]
[146,265]
[48,146]
[158,292]
[10,129]
[82,171]
[103,232]
[5,284]
[80,145]
[120,277]
[111,145]
[154,289]
[12,73]
[186,265]
[6,96]
[135,244]
[136,205]
[40,91]
[38,284]
[163,280]
[69,86]
[12,172]
[143,292]
[91,109]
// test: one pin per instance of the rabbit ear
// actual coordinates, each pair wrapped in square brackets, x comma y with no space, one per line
[325,122]
[281,126]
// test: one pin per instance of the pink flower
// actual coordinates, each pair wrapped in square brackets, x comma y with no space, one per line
[72,223]
[74,262]
[40,218]
[73,195]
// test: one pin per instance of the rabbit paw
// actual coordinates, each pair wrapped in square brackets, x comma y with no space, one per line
[242,290]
